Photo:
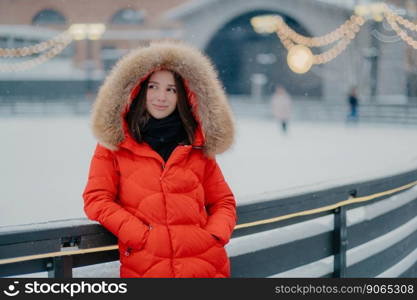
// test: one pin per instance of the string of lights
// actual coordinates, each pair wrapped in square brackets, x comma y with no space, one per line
[332,53]
[34,49]
[342,34]
[353,24]
[394,21]
[50,48]
[28,64]
[300,58]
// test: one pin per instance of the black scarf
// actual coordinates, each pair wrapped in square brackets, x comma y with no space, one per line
[164,135]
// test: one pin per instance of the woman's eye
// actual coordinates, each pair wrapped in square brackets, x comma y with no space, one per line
[151,86]
[172,90]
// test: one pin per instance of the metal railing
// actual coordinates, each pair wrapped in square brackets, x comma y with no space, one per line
[44,107]
[303,109]
[364,229]
[334,111]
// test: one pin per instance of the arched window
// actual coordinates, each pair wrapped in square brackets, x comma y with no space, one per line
[48,16]
[4,41]
[128,16]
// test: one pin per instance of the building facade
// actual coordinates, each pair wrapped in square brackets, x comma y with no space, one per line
[222,29]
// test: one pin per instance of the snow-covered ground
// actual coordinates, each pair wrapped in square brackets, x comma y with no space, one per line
[44,161]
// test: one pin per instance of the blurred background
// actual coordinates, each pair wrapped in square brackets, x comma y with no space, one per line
[351,102]
[248,62]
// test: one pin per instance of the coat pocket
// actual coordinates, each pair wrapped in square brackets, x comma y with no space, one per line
[126,251]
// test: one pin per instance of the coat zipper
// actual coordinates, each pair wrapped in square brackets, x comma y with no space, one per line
[163,165]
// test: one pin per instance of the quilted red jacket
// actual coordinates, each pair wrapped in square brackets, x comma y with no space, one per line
[171,219]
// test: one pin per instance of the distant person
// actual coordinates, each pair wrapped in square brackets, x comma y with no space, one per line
[160,118]
[281,107]
[353,102]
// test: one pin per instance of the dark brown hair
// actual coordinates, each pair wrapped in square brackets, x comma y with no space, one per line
[138,116]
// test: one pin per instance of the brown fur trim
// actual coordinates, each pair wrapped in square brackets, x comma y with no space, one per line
[212,107]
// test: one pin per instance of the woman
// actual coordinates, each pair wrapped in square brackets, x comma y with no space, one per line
[281,107]
[353,105]
[160,118]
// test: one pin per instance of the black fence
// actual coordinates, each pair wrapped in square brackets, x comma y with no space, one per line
[47,97]
[46,89]
[72,99]
[334,110]
[367,229]
[33,107]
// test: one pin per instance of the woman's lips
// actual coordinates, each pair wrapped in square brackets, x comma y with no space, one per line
[160,107]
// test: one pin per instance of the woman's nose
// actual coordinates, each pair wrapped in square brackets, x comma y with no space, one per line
[161,95]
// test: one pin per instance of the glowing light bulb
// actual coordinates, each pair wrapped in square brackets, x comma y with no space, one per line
[265,23]
[95,31]
[78,31]
[300,59]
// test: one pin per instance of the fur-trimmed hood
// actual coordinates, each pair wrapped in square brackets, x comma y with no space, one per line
[212,110]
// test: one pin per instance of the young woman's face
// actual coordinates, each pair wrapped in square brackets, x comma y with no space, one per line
[161,97]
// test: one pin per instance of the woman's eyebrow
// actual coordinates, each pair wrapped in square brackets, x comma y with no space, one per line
[155,82]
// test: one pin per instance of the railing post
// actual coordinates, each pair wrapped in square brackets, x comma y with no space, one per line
[61,268]
[340,242]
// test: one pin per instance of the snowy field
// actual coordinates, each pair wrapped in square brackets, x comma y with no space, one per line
[44,161]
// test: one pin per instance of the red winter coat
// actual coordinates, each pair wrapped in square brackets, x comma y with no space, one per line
[172,219]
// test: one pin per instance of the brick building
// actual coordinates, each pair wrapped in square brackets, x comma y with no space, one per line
[129,23]
[223,31]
